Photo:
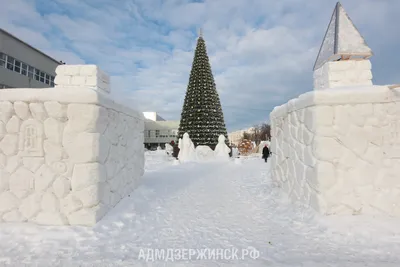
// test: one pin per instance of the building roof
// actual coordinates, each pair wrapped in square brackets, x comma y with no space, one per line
[161,125]
[25,43]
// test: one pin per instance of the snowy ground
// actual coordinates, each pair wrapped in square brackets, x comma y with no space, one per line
[195,206]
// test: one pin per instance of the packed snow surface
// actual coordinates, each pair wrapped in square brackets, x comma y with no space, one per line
[213,206]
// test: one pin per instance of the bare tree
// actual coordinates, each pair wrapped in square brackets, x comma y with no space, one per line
[247,136]
[265,132]
[257,136]
[260,133]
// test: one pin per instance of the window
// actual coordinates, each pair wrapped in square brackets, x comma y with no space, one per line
[37,75]
[148,133]
[2,60]
[17,66]
[31,71]
[13,64]
[3,86]
[42,75]
[24,69]
[157,133]
[10,63]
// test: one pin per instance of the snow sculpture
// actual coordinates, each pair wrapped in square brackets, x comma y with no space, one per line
[168,148]
[342,40]
[222,150]
[342,60]
[179,143]
[235,152]
[346,140]
[159,148]
[187,151]
[204,153]
[68,154]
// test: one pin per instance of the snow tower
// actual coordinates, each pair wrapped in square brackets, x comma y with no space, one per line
[342,40]
[202,117]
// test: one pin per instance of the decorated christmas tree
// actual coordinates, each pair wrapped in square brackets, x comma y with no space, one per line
[202,116]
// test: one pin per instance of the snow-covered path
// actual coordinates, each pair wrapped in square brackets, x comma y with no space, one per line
[213,206]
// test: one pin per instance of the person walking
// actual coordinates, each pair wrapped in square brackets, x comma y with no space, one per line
[265,153]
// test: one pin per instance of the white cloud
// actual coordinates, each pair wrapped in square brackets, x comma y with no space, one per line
[261,51]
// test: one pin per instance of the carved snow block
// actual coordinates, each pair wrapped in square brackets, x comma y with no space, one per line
[338,150]
[343,74]
[71,155]
[88,76]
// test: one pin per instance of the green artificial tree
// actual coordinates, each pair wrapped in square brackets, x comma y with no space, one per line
[202,117]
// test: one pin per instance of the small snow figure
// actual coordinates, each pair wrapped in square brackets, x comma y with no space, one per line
[187,151]
[222,151]
[168,148]
[235,152]
[265,153]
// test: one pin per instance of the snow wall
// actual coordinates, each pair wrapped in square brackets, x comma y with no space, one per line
[68,154]
[343,73]
[338,150]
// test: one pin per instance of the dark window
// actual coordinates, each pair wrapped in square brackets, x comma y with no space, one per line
[47,79]
[37,75]
[17,66]
[42,76]
[31,71]
[10,63]
[24,69]
[2,60]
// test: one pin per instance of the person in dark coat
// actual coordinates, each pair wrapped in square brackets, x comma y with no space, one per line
[265,153]
[175,150]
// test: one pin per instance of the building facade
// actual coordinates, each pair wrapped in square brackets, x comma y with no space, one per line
[158,131]
[23,66]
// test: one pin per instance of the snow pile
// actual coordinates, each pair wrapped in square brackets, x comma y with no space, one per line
[157,159]
[212,206]
[204,153]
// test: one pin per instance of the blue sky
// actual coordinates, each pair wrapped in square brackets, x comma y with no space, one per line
[261,51]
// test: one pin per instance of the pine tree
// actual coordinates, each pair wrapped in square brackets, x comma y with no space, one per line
[202,117]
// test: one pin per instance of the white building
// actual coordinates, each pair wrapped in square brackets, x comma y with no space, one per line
[158,131]
[236,137]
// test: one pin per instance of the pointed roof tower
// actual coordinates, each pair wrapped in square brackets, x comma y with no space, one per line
[342,40]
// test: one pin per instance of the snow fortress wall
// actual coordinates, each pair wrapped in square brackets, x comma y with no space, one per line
[339,150]
[343,73]
[68,154]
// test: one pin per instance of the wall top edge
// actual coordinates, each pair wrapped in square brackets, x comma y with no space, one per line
[338,96]
[79,95]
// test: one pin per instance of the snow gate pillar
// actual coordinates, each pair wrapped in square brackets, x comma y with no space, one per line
[342,60]
[337,148]
[68,154]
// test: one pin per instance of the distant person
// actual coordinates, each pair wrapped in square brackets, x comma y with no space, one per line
[265,153]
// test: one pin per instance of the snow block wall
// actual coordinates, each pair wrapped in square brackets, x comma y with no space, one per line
[343,73]
[338,150]
[67,154]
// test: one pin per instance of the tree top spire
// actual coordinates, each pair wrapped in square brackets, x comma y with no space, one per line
[201,32]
